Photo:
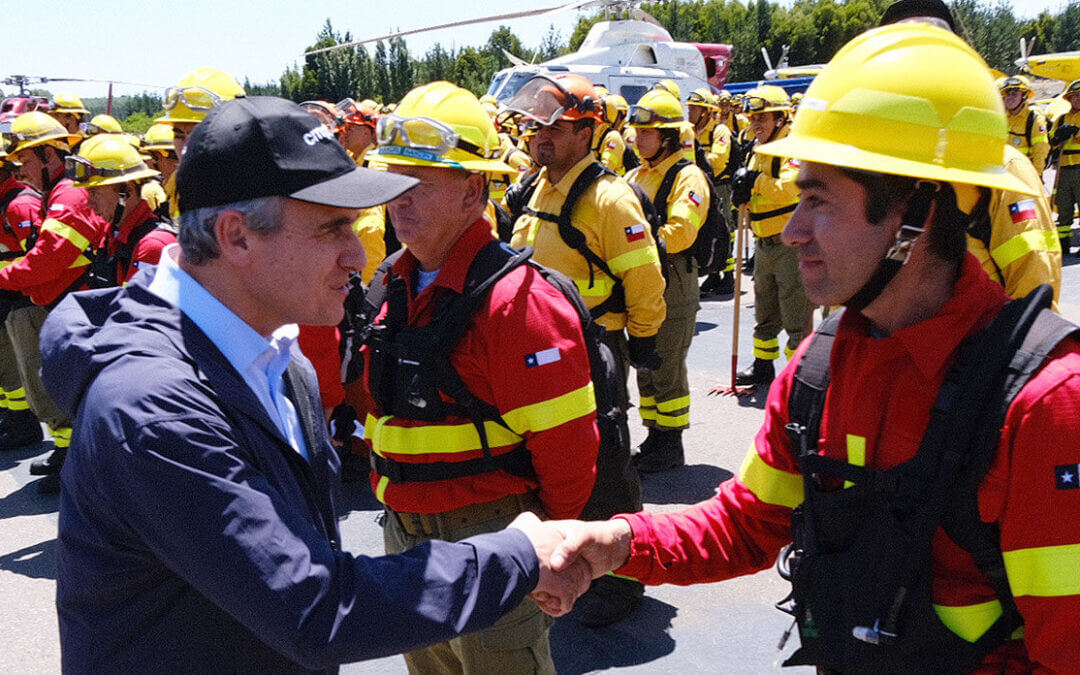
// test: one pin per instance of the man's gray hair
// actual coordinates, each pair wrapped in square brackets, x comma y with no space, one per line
[197,240]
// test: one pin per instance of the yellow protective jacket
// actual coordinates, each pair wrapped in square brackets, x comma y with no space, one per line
[154,195]
[1070,151]
[609,148]
[174,200]
[516,158]
[687,204]
[739,126]
[775,194]
[370,227]
[715,138]
[1028,134]
[610,216]
[1023,250]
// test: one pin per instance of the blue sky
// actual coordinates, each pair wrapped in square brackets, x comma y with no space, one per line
[157,42]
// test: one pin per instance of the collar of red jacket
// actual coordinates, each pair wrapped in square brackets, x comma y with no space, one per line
[137,217]
[456,267]
[976,300]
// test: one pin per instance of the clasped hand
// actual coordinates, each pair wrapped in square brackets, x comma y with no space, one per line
[572,553]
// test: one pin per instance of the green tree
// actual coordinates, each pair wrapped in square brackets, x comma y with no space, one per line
[381,89]
[139,122]
[401,69]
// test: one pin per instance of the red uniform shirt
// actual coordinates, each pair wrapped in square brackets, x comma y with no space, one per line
[56,261]
[525,354]
[147,250]
[23,215]
[321,345]
[877,410]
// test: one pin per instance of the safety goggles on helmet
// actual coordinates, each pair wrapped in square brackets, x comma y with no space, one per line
[698,99]
[352,113]
[423,136]
[80,169]
[91,129]
[545,100]
[752,104]
[195,98]
[1073,88]
[640,116]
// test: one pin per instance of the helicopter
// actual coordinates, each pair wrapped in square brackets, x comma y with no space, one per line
[24,101]
[627,56]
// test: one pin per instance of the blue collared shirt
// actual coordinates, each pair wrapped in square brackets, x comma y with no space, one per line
[259,361]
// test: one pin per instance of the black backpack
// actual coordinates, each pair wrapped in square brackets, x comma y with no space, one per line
[410,365]
[860,561]
[575,239]
[710,247]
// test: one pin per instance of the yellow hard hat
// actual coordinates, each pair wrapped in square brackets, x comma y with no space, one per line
[723,96]
[489,98]
[440,124]
[103,124]
[703,98]
[33,129]
[670,86]
[615,108]
[196,94]
[1015,82]
[657,109]
[4,157]
[69,103]
[106,159]
[1073,88]
[158,137]
[905,99]
[766,98]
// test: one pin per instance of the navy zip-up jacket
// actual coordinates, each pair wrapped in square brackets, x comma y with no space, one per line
[193,537]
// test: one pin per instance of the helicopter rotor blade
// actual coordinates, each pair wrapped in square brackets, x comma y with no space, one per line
[581,4]
[768,61]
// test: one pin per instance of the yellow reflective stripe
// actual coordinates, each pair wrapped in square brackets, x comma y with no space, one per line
[1046,572]
[673,420]
[687,212]
[16,404]
[647,414]
[81,261]
[856,453]
[432,438]
[65,231]
[673,404]
[648,401]
[767,344]
[553,412]
[788,352]
[600,287]
[1022,244]
[769,484]
[969,621]
[640,256]
[621,576]
[380,488]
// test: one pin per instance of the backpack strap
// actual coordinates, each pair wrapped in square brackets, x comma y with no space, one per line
[806,403]
[666,185]
[575,238]
[1029,126]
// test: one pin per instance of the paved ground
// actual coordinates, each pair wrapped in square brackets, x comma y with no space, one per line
[729,627]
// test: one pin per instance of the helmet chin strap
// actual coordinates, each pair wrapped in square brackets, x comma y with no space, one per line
[121,205]
[911,226]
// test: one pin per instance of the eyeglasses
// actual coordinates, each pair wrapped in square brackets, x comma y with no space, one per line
[642,116]
[81,169]
[424,134]
[195,98]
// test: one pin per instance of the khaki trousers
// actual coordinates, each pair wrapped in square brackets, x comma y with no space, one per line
[779,299]
[665,392]
[24,330]
[516,643]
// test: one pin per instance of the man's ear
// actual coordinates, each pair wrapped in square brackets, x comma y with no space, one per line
[475,192]
[234,237]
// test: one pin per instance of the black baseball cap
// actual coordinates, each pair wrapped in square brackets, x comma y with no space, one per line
[264,146]
[907,9]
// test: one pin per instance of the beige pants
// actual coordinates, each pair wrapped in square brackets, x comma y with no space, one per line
[24,329]
[516,643]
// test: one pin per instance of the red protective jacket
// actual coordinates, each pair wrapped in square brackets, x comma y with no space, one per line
[56,261]
[23,214]
[877,410]
[525,354]
[147,249]
[321,344]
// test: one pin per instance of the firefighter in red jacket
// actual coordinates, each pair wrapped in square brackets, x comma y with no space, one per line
[110,169]
[20,214]
[880,229]
[523,355]
[55,264]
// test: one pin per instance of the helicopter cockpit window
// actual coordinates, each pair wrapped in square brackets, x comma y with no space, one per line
[496,82]
[632,92]
[513,84]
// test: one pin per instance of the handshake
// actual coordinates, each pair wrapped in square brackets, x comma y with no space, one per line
[572,553]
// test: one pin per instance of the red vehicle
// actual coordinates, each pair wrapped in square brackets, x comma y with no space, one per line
[17,105]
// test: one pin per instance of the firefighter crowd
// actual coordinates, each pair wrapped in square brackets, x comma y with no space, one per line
[638,207]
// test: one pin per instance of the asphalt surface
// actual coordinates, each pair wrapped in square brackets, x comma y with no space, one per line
[728,627]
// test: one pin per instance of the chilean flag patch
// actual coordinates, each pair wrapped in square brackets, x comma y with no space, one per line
[542,357]
[1067,476]
[1022,210]
[611,144]
[695,197]
[635,232]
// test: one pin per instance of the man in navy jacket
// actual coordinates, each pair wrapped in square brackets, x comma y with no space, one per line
[198,529]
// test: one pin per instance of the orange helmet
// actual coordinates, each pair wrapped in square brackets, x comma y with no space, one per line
[564,97]
[365,112]
[326,113]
